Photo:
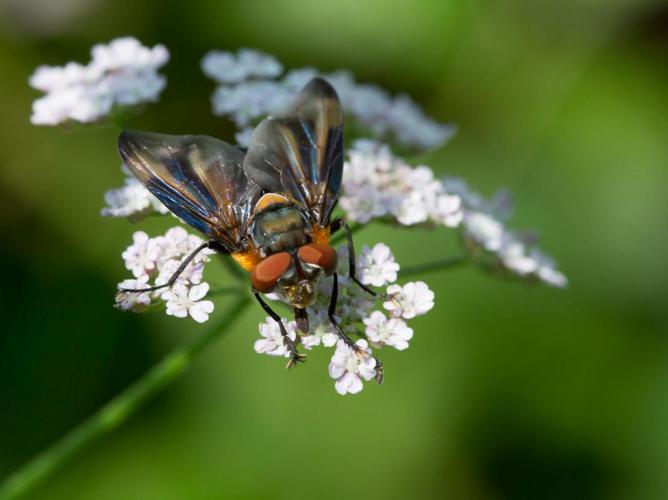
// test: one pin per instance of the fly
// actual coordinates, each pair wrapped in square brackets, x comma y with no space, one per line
[269,208]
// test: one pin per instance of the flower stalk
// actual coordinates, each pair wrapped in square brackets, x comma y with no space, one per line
[434,266]
[119,409]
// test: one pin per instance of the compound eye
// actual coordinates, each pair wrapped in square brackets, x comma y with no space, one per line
[323,256]
[268,271]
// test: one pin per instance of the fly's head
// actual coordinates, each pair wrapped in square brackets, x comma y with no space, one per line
[295,275]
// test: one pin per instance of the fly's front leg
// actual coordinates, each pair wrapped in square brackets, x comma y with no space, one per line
[295,356]
[352,262]
[177,273]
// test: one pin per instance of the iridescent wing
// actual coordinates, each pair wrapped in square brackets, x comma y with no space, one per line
[199,178]
[300,152]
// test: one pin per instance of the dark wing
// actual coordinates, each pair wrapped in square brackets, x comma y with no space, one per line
[199,178]
[300,151]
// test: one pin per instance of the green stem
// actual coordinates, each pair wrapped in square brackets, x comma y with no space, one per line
[225,290]
[437,265]
[116,411]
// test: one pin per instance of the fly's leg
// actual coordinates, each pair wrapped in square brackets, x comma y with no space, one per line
[332,310]
[352,267]
[342,335]
[177,273]
[301,318]
[295,356]
[380,373]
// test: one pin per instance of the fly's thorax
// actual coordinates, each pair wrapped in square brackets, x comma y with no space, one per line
[279,228]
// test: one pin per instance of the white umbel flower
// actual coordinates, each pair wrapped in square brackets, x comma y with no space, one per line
[376,266]
[349,368]
[154,261]
[248,73]
[272,342]
[408,301]
[381,331]
[183,302]
[514,256]
[484,230]
[378,184]
[243,137]
[228,67]
[129,301]
[124,72]
[142,256]
[447,210]
[547,270]
[132,200]
[321,331]
[247,102]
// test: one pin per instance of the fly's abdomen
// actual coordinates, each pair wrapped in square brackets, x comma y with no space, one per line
[279,228]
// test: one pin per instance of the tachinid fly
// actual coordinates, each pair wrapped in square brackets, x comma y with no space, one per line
[269,208]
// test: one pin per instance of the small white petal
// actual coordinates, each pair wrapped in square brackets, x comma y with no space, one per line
[198,292]
[201,310]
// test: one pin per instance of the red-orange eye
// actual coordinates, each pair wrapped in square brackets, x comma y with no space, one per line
[319,255]
[269,270]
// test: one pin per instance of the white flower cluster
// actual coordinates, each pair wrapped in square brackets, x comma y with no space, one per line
[227,67]
[250,88]
[496,247]
[132,200]
[153,261]
[359,315]
[123,73]
[378,184]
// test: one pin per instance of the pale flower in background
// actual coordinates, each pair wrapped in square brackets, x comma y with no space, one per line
[447,210]
[132,200]
[484,230]
[547,270]
[246,102]
[124,72]
[366,204]
[515,258]
[243,137]
[125,201]
[227,67]
[250,88]
[486,235]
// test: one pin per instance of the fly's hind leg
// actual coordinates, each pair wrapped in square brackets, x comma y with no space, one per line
[295,356]
[342,335]
[334,296]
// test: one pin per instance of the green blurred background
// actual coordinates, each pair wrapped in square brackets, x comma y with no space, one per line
[507,391]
